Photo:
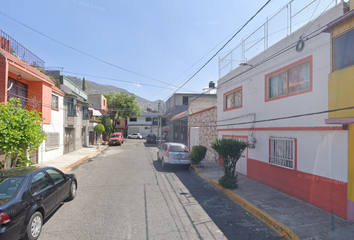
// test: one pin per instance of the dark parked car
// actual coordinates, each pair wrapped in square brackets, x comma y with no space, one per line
[151,138]
[28,195]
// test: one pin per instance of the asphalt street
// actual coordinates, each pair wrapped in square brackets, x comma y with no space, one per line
[123,193]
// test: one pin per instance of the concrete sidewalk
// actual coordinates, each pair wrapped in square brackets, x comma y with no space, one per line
[70,160]
[291,217]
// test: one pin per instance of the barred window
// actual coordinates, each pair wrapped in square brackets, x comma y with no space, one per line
[52,141]
[282,152]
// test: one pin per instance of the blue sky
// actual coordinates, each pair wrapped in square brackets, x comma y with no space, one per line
[160,39]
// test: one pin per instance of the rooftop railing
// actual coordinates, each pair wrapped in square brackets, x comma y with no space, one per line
[15,48]
[287,20]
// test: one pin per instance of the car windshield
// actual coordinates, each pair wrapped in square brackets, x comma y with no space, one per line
[9,186]
[178,149]
[116,135]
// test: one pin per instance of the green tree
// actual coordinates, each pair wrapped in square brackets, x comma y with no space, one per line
[107,123]
[231,151]
[124,103]
[20,132]
[83,84]
[99,129]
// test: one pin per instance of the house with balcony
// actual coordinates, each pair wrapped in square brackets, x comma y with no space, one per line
[341,89]
[276,100]
[20,77]
[145,124]
[76,116]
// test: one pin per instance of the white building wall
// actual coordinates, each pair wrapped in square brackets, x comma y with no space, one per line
[322,149]
[322,153]
[253,84]
[56,126]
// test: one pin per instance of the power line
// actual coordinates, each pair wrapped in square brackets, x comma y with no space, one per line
[224,45]
[84,53]
[113,79]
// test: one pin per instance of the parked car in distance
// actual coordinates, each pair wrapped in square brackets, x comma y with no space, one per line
[174,154]
[151,138]
[28,195]
[135,135]
[116,139]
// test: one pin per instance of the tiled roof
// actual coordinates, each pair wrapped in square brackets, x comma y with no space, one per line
[18,63]
[180,115]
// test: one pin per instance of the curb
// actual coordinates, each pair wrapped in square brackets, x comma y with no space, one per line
[66,168]
[263,216]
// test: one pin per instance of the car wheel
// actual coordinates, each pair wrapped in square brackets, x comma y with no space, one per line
[72,192]
[34,226]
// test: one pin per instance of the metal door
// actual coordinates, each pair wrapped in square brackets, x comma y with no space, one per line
[69,140]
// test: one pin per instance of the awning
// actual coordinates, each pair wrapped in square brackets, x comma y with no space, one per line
[180,115]
[95,112]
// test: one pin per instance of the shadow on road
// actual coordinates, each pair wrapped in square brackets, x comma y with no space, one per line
[150,144]
[175,168]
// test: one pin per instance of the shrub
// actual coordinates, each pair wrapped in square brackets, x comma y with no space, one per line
[231,151]
[198,153]
[99,128]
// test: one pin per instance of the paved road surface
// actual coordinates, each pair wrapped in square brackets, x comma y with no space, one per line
[124,194]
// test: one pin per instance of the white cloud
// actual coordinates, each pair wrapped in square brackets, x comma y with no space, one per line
[137,84]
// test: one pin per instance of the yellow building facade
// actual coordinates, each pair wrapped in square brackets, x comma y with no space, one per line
[341,89]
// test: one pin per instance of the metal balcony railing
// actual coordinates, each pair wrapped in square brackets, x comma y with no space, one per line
[15,48]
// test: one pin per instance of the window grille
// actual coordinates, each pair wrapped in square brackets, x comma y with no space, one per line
[52,141]
[282,152]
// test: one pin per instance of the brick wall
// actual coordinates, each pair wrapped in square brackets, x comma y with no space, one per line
[206,121]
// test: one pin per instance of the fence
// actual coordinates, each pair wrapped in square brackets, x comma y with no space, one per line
[287,20]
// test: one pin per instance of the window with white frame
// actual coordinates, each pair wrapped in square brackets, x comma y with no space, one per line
[55,102]
[233,99]
[282,152]
[293,79]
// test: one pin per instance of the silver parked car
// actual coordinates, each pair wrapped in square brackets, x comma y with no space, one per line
[174,154]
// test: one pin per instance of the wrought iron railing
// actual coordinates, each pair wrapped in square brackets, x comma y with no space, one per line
[15,48]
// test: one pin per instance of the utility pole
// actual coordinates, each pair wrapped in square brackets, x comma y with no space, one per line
[159,122]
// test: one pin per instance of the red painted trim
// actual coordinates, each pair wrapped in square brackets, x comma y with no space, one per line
[323,192]
[283,69]
[201,111]
[284,129]
[224,100]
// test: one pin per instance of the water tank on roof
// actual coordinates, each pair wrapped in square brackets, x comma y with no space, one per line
[211,84]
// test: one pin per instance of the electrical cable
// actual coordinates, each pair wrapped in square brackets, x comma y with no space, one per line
[84,53]
[223,46]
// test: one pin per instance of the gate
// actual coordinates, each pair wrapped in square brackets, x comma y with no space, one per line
[69,140]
